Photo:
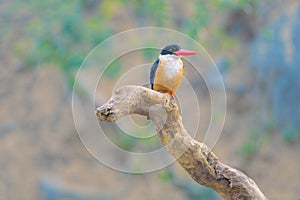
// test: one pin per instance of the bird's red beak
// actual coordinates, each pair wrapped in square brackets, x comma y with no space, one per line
[183,52]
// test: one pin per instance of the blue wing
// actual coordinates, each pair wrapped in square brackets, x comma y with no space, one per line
[152,72]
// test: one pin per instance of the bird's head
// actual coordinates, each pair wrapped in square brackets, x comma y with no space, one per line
[175,51]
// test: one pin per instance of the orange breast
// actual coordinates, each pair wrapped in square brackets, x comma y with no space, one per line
[166,79]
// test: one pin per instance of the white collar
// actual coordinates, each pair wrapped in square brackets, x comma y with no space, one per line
[169,57]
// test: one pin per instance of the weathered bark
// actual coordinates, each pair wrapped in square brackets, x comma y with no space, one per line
[195,157]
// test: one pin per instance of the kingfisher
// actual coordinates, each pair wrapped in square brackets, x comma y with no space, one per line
[167,71]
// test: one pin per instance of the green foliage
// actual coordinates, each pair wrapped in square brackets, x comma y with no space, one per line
[128,142]
[291,134]
[196,23]
[257,140]
[61,33]
[113,70]
[234,4]
[165,175]
[268,34]
[250,147]
[150,54]
[151,142]
[150,12]
[122,140]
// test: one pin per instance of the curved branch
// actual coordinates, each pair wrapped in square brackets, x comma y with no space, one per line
[195,157]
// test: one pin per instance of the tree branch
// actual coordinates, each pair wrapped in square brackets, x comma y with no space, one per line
[195,157]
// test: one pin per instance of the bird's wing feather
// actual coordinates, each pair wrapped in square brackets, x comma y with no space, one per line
[152,72]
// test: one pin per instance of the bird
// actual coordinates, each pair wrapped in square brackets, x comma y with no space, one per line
[167,71]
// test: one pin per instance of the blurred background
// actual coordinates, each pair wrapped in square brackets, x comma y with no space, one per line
[256,47]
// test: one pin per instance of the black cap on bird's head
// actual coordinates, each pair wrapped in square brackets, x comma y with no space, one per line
[170,49]
[174,49]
